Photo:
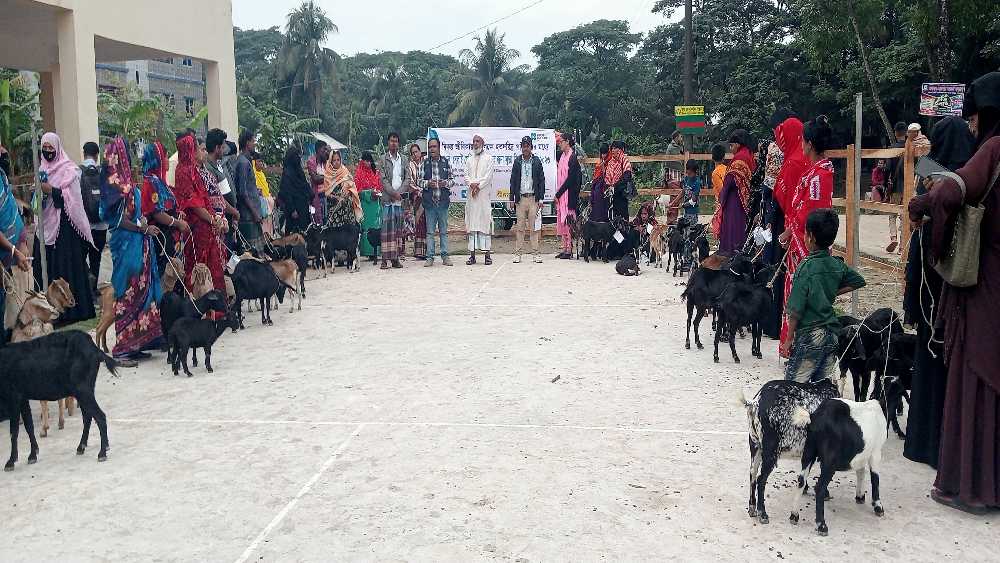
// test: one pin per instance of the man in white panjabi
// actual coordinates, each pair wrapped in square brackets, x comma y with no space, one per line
[478,207]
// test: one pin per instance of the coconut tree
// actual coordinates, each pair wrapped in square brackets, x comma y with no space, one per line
[18,105]
[303,63]
[490,98]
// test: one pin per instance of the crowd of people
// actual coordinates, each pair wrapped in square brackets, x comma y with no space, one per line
[211,201]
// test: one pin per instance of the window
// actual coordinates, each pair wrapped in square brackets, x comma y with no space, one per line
[189,106]
[186,62]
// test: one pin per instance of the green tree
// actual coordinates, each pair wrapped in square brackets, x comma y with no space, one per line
[304,65]
[130,113]
[275,127]
[490,98]
[18,106]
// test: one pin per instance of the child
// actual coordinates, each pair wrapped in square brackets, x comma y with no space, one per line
[719,172]
[812,324]
[878,182]
[692,191]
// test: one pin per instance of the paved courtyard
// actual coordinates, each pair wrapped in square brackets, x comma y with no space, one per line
[517,412]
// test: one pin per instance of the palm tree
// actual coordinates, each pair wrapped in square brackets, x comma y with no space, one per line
[491,96]
[130,113]
[386,84]
[303,62]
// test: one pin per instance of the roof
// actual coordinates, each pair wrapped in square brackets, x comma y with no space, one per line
[330,141]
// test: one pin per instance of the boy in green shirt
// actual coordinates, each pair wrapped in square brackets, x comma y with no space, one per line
[812,324]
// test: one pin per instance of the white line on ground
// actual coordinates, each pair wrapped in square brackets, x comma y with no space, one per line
[486,283]
[629,429]
[276,521]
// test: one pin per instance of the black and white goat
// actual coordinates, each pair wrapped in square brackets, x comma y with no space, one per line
[841,435]
[773,432]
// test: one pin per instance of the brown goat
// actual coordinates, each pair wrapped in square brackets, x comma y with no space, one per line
[37,314]
[287,272]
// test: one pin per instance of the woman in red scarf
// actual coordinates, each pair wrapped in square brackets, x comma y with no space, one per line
[617,178]
[366,178]
[207,225]
[814,191]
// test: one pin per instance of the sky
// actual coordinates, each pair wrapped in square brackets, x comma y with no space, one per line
[395,25]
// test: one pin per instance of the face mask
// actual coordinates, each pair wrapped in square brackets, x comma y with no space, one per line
[49,155]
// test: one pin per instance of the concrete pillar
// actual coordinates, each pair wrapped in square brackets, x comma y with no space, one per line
[47,99]
[75,85]
[220,91]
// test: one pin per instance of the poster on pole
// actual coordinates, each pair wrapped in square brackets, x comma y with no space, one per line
[939,99]
[504,145]
[690,120]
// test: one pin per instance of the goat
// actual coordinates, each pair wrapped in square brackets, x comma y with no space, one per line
[52,367]
[168,281]
[859,343]
[294,247]
[658,244]
[675,248]
[772,431]
[630,240]
[627,266]
[596,237]
[344,239]
[894,377]
[704,287]
[253,279]
[842,435]
[744,303]
[374,237]
[174,307]
[188,333]
[314,246]
[287,272]
[35,319]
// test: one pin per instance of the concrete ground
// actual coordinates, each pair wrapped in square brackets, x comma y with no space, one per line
[873,236]
[518,412]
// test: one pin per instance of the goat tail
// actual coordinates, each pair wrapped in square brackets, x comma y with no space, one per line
[110,363]
[800,417]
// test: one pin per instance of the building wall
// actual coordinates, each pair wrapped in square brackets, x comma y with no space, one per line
[178,80]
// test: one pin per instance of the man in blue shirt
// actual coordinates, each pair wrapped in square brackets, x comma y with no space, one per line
[692,191]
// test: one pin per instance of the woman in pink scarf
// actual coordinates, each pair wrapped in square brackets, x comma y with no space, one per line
[568,178]
[66,229]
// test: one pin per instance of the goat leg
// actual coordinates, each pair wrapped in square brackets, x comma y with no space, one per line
[184,360]
[44,406]
[874,463]
[87,419]
[825,475]
[697,324]
[208,359]
[60,405]
[732,344]
[29,428]
[102,422]
[15,427]
[194,357]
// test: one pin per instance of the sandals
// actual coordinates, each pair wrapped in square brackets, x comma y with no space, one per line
[385,266]
[470,261]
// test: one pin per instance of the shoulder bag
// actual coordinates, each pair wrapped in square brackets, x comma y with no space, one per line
[960,266]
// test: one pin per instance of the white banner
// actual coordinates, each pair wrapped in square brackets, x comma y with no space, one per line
[504,145]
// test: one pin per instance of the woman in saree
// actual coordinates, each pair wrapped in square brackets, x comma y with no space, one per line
[66,229]
[159,205]
[415,168]
[618,179]
[369,186]
[134,276]
[968,477]
[343,202]
[814,191]
[729,224]
[203,209]
[11,230]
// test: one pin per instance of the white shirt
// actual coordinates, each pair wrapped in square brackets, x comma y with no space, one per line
[397,171]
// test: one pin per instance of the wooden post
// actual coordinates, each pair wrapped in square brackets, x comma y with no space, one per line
[851,227]
[909,188]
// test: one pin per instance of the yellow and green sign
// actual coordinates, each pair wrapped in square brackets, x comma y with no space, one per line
[690,119]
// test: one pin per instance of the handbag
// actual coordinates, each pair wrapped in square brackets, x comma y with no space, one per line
[959,267]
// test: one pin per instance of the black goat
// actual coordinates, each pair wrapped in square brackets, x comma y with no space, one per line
[744,303]
[174,307]
[842,436]
[704,287]
[314,246]
[189,334]
[859,343]
[628,245]
[344,239]
[296,253]
[596,237]
[773,430]
[51,368]
[627,266]
[375,240]
[256,280]
[894,378]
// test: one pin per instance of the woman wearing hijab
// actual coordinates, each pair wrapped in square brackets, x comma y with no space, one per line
[814,191]
[67,229]
[730,221]
[952,144]
[159,205]
[343,204]
[134,276]
[968,476]
[788,138]
[295,193]
[618,181]
[203,211]
[598,187]
[369,185]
